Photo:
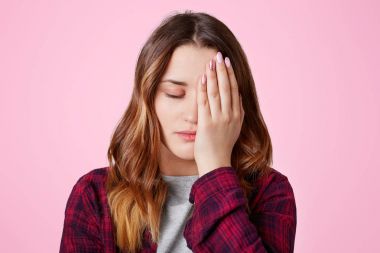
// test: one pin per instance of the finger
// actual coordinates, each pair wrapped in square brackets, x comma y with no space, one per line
[224,85]
[202,100]
[213,90]
[241,110]
[234,87]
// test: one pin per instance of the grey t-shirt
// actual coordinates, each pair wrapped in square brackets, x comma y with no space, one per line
[176,212]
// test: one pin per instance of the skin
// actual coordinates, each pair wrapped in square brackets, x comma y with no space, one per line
[213,110]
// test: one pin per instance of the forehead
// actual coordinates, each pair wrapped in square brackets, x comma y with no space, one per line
[188,63]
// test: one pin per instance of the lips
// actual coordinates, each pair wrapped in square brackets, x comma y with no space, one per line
[188,136]
[187,132]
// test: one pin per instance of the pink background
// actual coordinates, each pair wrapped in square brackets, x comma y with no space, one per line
[67,74]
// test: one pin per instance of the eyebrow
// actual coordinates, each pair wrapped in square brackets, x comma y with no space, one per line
[175,82]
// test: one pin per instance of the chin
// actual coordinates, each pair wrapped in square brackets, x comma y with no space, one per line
[185,154]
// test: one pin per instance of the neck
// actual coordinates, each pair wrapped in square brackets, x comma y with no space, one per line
[171,165]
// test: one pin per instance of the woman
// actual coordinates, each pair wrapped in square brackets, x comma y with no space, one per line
[189,162]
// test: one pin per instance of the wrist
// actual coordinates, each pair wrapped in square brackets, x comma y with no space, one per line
[207,168]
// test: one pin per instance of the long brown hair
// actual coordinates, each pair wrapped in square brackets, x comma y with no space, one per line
[135,190]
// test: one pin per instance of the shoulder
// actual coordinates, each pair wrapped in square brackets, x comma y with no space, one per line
[273,177]
[269,177]
[276,181]
[89,188]
[273,186]
[93,180]
[93,177]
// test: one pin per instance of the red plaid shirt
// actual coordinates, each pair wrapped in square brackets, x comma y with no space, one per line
[219,222]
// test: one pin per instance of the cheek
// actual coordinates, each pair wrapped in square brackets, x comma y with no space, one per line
[165,112]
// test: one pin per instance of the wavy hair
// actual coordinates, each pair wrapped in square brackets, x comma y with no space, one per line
[135,190]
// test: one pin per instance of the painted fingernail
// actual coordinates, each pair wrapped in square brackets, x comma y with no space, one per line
[227,61]
[219,57]
[211,65]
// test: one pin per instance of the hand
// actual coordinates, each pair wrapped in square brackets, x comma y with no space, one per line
[220,117]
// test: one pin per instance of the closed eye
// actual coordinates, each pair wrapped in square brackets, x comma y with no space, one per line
[171,96]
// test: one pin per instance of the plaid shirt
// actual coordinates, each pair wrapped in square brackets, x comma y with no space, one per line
[219,222]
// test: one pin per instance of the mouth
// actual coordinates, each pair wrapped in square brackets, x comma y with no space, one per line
[187,132]
[187,135]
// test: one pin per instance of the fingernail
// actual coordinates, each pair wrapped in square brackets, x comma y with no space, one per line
[211,64]
[227,61]
[203,79]
[219,57]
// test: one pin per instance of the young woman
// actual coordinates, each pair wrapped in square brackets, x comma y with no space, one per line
[189,162]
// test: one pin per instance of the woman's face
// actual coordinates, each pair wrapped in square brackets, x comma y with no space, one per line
[186,65]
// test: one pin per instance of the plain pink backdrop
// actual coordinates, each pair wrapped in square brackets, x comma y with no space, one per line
[67,74]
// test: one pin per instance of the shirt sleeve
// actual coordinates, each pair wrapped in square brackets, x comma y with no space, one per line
[220,223]
[81,226]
